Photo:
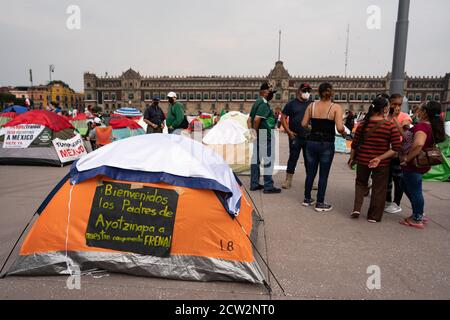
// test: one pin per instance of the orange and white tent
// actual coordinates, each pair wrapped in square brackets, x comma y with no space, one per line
[153,205]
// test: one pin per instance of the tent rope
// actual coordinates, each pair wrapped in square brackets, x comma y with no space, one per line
[254,205]
[267,265]
[15,245]
[68,263]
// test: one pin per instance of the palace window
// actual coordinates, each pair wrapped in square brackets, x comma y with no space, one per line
[278,96]
[436,98]
[241,96]
[113,96]
[191,96]
[336,97]
[359,97]
[147,96]
[106,96]
[205,96]
[372,97]
[213,96]
[199,96]
[366,97]
[220,96]
[88,85]
[256,95]
[249,96]
[89,97]
[130,96]
[316,97]
[292,96]
[184,96]
[352,97]
[344,97]
[417,97]
[227,96]
[234,96]
[429,97]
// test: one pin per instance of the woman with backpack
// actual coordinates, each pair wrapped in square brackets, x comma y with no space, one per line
[424,135]
[376,141]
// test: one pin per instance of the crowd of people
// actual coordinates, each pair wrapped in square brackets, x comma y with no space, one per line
[385,149]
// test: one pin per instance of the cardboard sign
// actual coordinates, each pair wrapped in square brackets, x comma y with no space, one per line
[21,136]
[132,218]
[70,149]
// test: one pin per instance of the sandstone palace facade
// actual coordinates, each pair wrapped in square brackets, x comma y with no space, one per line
[212,93]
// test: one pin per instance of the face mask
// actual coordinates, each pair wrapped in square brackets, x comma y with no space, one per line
[270,96]
[170,100]
[305,95]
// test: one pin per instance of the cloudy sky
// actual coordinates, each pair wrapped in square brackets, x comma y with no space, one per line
[214,37]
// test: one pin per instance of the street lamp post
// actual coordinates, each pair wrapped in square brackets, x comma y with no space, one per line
[401,39]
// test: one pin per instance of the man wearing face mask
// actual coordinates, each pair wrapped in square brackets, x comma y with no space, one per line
[262,121]
[295,110]
[154,117]
[176,119]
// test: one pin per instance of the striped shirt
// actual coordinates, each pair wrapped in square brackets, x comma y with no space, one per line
[385,137]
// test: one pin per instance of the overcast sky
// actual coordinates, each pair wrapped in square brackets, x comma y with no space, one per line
[214,37]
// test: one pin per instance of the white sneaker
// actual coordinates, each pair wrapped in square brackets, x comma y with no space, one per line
[392,208]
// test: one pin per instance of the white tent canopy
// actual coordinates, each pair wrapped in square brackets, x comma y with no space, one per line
[172,154]
[226,132]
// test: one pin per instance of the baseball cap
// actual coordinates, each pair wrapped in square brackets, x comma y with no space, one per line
[305,86]
[265,86]
[97,120]
[171,94]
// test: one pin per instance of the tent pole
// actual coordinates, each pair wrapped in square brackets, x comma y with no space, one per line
[267,265]
[254,205]
[14,247]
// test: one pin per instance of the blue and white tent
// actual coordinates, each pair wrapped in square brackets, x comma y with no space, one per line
[171,159]
[129,112]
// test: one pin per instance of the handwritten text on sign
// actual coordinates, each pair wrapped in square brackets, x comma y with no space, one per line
[70,149]
[132,219]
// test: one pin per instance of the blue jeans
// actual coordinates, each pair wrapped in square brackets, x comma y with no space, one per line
[412,185]
[295,147]
[262,152]
[318,153]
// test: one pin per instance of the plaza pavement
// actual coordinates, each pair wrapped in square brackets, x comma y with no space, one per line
[313,255]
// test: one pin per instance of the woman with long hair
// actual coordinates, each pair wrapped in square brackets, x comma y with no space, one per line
[376,141]
[324,116]
[428,131]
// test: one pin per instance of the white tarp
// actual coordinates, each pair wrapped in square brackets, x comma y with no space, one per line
[70,149]
[22,135]
[226,132]
[447,128]
[173,154]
